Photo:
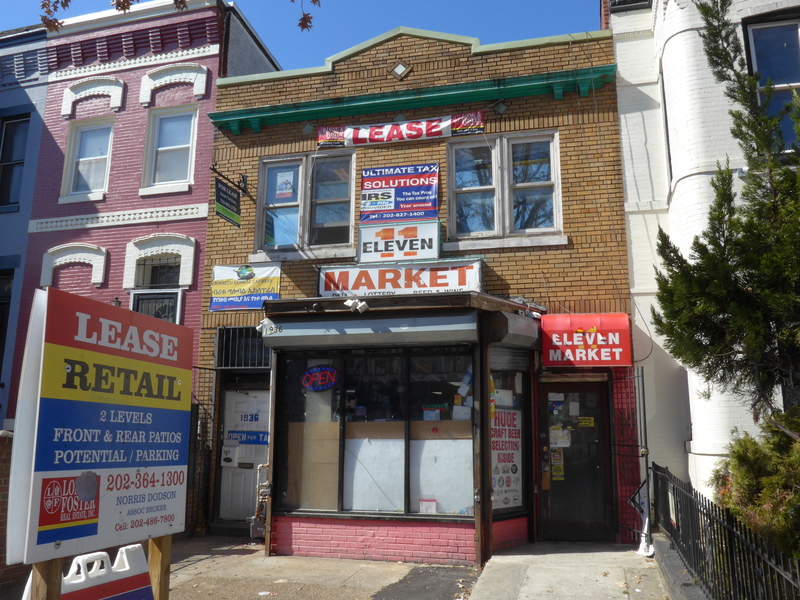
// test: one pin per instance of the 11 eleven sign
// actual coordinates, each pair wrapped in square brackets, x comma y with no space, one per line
[403,241]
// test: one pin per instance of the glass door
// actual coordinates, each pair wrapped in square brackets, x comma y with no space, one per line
[575,465]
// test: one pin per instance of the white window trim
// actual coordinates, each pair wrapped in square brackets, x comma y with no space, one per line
[74,253]
[103,85]
[192,73]
[73,139]
[148,172]
[505,236]
[155,245]
[302,250]
[178,307]
[770,25]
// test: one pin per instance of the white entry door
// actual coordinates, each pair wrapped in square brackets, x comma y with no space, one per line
[245,446]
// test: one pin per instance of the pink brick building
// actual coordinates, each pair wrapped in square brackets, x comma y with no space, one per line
[123,180]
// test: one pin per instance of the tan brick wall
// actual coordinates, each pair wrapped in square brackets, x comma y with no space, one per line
[589,274]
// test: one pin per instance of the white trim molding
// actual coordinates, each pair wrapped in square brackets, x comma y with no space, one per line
[125,217]
[74,253]
[192,73]
[155,245]
[93,86]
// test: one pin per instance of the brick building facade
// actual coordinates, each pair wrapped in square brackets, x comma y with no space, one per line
[124,148]
[408,395]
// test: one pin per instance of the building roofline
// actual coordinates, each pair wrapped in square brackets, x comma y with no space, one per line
[231,6]
[556,83]
[115,18]
[22,35]
[477,48]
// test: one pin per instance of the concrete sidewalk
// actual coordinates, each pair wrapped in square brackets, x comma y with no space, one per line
[569,571]
[235,568]
[220,568]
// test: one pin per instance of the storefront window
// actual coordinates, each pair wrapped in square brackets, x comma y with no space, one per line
[374,446]
[440,447]
[310,402]
[382,408]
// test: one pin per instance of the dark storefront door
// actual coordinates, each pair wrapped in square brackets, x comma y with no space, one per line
[575,462]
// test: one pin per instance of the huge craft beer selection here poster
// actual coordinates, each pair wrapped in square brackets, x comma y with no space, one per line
[105,401]
[507,458]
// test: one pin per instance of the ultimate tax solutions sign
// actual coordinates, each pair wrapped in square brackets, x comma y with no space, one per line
[586,340]
[102,440]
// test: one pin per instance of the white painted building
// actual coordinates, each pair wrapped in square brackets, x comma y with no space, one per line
[675,127]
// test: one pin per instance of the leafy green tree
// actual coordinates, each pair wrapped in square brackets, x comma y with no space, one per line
[759,481]
[730,311]
[51,7]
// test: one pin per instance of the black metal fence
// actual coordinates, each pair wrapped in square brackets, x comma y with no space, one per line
[727,559]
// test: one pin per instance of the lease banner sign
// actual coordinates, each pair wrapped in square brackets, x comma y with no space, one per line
[102,440]
[402,131]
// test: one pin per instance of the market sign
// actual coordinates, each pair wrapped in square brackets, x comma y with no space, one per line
[403,193]
[101,446]
[390,243]
[240,287]
[586,340]
[402,131]
[390,280]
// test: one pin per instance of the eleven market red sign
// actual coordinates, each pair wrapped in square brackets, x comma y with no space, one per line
[587,340]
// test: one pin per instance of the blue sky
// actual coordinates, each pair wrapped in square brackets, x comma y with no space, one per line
[342,24]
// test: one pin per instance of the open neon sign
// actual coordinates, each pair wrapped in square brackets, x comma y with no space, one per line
[320,378]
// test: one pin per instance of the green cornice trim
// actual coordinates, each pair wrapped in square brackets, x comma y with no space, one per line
[474,43]
[556,83]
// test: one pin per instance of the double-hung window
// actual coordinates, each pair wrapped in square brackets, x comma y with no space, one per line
[13,140]
[504,186]
[86,176]
[171,147]
[308,201]
[775,55]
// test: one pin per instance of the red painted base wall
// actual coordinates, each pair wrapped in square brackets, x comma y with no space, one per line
[509,534]
[440,543]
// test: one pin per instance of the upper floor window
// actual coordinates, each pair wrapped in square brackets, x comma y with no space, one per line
[170,151]
[13,140]
[775,55]
[308,201]
[508,185]
[157,291]
[87,162]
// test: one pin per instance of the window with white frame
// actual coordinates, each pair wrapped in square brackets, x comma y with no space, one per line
[157,292]
[170,147]
[775,55]
[308,201]
[87,163]
[504,186]
[13,140]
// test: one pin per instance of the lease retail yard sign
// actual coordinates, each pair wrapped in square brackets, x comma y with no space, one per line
[101,446]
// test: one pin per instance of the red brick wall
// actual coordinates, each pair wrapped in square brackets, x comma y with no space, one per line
[509,534]
[440,543]
[626,453]
[15,575]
